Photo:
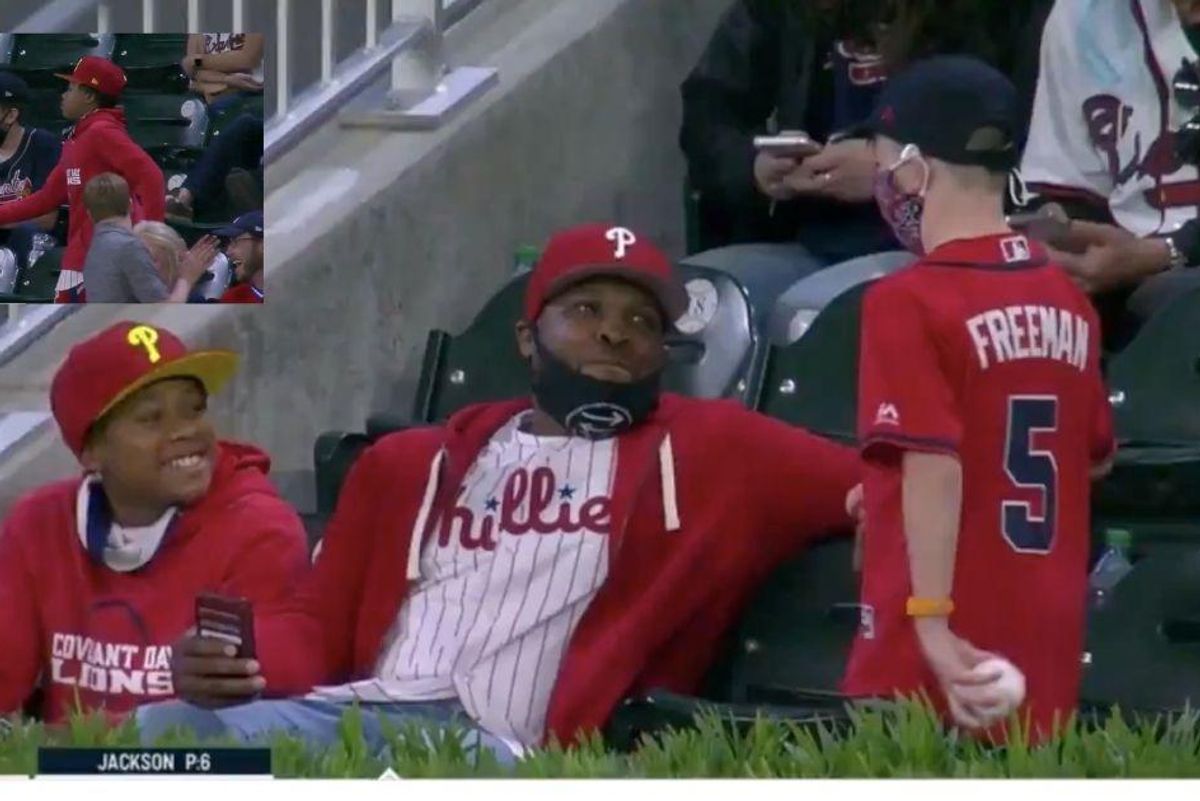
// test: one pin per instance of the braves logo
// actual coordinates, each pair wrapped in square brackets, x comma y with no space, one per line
[622,238]
[143,336]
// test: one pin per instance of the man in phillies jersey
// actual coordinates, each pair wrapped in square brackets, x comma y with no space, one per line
[99,143]
[981,414]
[530,563]
[99,573]
[27,156]
[1115,139]
[245,251]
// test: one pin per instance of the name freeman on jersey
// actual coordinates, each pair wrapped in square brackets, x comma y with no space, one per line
[1029,332]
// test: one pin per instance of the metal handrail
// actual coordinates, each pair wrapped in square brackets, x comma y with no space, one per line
[350,77]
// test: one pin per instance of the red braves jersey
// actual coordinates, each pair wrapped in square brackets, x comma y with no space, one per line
[984,351]
[83,630]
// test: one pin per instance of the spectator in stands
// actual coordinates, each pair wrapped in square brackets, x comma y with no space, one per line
[111,561]
[227,163]
[27,156]
[99,143]
[816,67]
[246,253]
[1115,139]
[224,67]
[170,254]
[615,518]
[118,267]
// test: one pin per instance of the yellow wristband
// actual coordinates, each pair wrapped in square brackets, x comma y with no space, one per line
[929,607]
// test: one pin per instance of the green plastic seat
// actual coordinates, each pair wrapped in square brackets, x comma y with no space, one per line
[1143,644]
[164,124]
[813,382]
[37,56]
[36,283]
[151,61]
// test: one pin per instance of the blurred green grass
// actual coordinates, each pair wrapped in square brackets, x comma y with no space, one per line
[903,740]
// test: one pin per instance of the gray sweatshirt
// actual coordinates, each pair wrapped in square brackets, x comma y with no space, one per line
[118,268]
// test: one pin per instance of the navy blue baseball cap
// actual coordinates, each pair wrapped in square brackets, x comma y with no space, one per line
[12,88]
[954,108]
[249,223]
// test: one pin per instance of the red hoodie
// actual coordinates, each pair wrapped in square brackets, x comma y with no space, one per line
[82,627]
[98,144]
[748,492]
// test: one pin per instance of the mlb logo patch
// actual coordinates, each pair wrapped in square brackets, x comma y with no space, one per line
[1015,248]
[73,177]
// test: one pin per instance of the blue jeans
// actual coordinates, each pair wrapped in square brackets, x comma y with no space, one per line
[314,721]
[239,145]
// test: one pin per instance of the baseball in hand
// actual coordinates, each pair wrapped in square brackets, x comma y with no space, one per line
[1009,685]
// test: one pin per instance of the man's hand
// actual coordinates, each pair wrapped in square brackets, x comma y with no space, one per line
[843,171]
[1112,261]
[206,673]
[244,81]
[197,259]
[770,172]
[952,659]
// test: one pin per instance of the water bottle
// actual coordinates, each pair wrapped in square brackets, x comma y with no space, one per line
[524,259]
[1111,567]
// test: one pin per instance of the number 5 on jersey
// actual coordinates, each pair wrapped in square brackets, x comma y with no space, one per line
[1031,468]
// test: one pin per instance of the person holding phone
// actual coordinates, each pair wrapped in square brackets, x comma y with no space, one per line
[99,572]
[773,218]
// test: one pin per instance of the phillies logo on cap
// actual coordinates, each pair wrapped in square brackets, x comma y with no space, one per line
[622,238]
[143,336]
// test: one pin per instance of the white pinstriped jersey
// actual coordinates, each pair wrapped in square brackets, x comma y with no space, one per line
[503,585]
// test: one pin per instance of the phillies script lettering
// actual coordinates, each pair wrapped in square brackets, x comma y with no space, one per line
[110,668]
[526,505]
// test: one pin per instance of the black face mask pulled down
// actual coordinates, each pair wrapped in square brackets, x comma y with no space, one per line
[588,407]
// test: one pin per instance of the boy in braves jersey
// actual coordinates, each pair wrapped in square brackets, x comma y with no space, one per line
[1115,140]
[99,573]
[98,143]
[27,156]
[530,563]
[981,415]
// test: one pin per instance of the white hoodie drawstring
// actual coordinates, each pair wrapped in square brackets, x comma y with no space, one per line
[418,532]
[666,466]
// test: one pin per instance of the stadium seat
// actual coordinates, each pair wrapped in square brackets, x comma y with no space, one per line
[152,62]
[248,104]
[166,126]
[786,658]
[44,110]
[36,283]
[1155,389]
[333,454]
[37,56]
[813,382]
[1143,645]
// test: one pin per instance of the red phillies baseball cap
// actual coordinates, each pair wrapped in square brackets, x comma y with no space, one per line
[99,74]
[586,251]
[104,370]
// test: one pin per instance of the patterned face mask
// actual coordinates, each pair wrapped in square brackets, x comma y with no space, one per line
[902,210]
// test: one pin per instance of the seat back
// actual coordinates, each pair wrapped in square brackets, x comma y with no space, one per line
[37,282]
[1155,380]
[151,61]
[158,122]
[794,638]
[813,382]
[720,354]
[37,56]
[1143,645]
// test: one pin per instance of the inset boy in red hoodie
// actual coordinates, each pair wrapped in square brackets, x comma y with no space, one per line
[99,574]
[99,143]
[526,566]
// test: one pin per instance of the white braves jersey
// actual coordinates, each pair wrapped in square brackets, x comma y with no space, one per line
[1104,119]
[503,585]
